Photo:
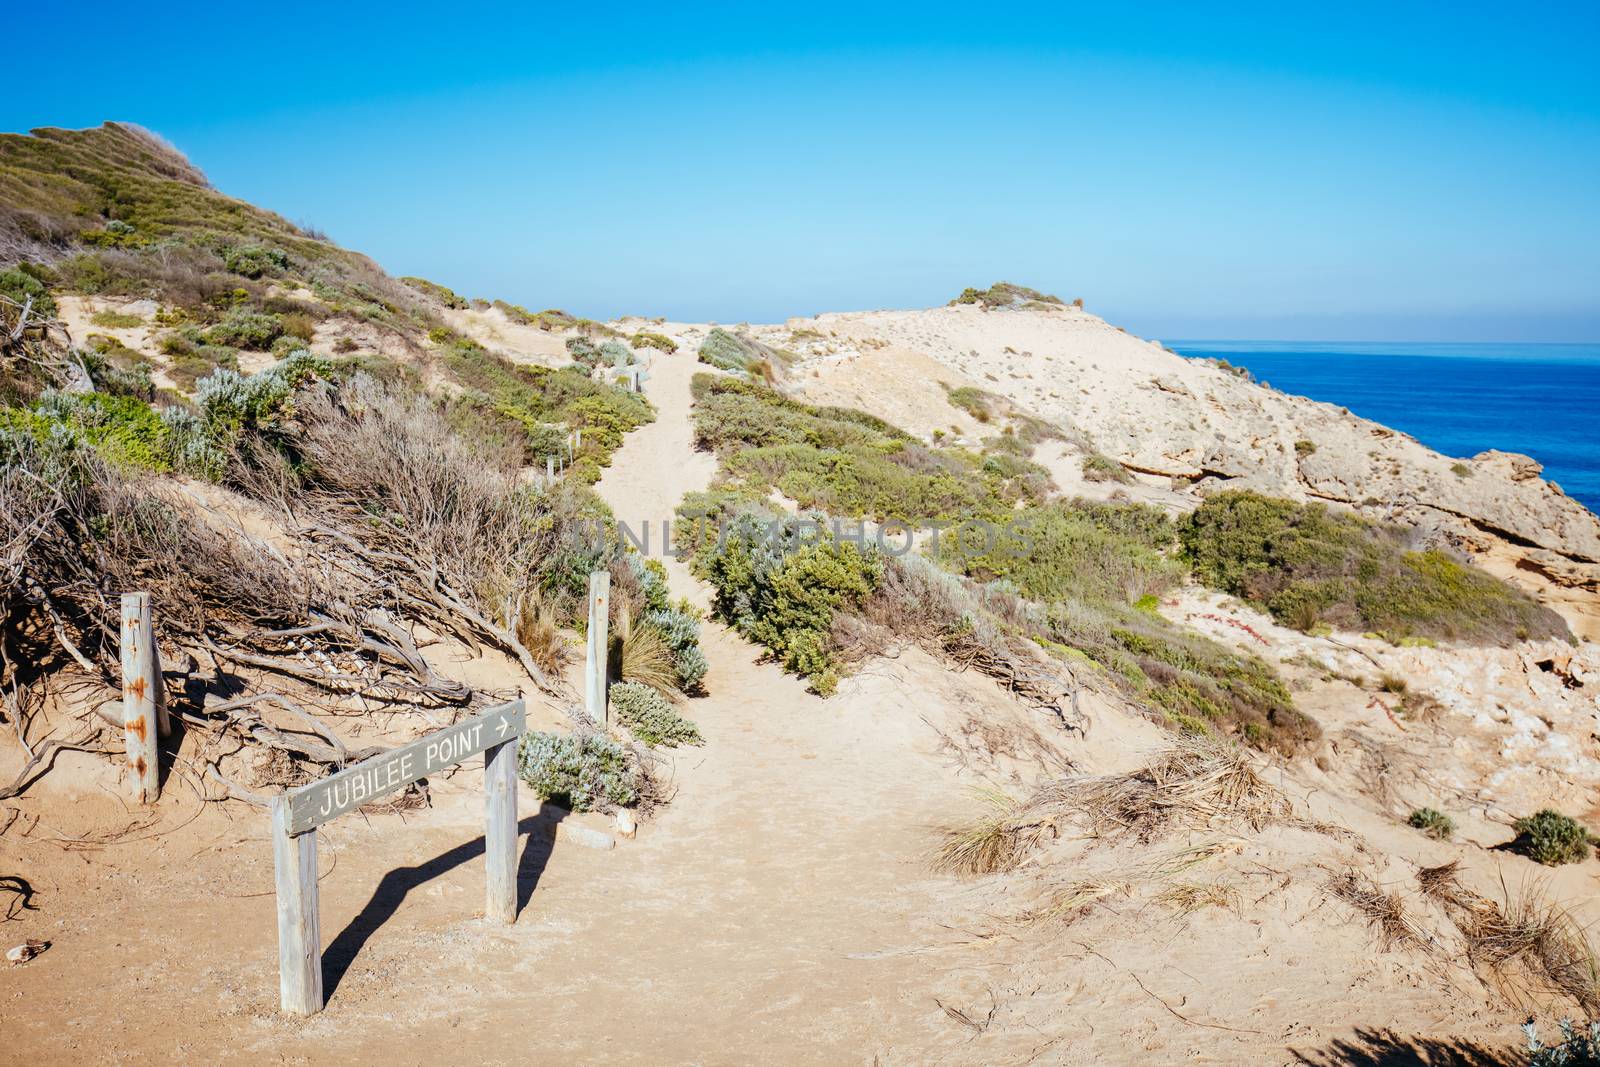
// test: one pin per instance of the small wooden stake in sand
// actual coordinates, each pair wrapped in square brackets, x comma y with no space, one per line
[143,706]
[594,664]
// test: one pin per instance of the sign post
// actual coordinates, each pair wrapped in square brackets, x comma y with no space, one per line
[598,650]
[297,813]
[144,712]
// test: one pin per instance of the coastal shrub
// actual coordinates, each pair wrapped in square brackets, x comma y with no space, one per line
[1068,589]
[1305,561]
[584,772]
[850,464]
[1576,1046]
[1102,468]
[1004,294]
[22,286]
[1073,550]
[123,429]
[243,328]
[252,261]
[978,403]
[1552,838]
[187,368]
[779,582]
[1461,470]
[736,352]
[584,352]
[545,403]
[231,403]
[1198,684]
[616,353]
[1305,448]
[678,628]
[1436,824]
[444,295]
[651,717]
[115,320]
[120,373]
[646,339]
[726,351]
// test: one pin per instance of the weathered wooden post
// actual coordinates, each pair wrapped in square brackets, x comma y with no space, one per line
[500,830]
[549,468]
[594,666]
[299,925]
[142,696]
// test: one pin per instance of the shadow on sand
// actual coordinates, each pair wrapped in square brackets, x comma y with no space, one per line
[1385,1048]
[393,889]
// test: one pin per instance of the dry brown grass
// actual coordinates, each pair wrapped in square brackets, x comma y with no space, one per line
[536,628]
[647,659]
[1073,899]
[1189,897]
[1384,911]
[1198,783]
[1532,944]
[991,842]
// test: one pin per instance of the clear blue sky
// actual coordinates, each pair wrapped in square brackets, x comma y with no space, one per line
[1344,171]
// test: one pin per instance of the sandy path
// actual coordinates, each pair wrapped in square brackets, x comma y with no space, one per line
[776,910]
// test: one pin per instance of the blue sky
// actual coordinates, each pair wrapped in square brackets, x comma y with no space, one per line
[1355,171]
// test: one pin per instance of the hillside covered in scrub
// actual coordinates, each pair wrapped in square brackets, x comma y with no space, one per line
[1004,688]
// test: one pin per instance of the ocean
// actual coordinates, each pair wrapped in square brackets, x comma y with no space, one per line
[1459,399]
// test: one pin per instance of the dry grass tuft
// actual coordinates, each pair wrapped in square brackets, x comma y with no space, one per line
[1385,911]
[1072,900]
[1199,782]
[536,628]
[1528,937]
[1189,897]
[994,841]
[647,659]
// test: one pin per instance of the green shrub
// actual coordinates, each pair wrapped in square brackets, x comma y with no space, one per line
[1576,1047]
[243,328]
[1304,561]
[1101,468]
[1109,553]
[736,352]
[119,375]
[188,368]
[978,403]
[231,403]
[1436,824]
[1305,448]
[1552,838]
[650,716]
[1461,470]
[616,353]
[440,293]
[779,582]
[546,403]
[848,463]
[19,285]
[581,773]
[252,261]
[645,339]
[115,320]
[1004,294]
[123,429]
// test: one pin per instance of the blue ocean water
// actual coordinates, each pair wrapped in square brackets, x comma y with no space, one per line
[1460,399]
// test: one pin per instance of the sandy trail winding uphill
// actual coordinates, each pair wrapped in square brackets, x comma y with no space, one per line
[776,910]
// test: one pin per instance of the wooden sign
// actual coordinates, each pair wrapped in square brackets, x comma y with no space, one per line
[297,813]
[312,805]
